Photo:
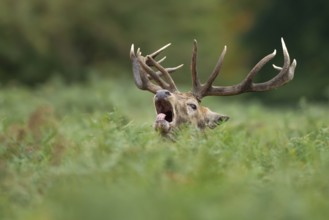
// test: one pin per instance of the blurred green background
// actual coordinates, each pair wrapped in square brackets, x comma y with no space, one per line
[75,39]
[76,136]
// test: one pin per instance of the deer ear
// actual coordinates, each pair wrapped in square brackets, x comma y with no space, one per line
[213,119]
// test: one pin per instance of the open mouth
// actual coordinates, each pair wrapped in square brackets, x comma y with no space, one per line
[164,110]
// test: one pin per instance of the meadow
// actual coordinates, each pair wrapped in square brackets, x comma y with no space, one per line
[88,151]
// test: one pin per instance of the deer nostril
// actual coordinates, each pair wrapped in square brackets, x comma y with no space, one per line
[224,118]
[161,94]
[167,93]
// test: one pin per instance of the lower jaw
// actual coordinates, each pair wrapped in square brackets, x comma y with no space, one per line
[162,126]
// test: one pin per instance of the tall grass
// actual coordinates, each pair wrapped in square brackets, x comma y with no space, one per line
[89,152]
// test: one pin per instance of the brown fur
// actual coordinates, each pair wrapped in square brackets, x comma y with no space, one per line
[187,109]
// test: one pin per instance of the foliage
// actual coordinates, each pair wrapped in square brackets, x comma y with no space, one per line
[89,152]
[43,38]
[40,38]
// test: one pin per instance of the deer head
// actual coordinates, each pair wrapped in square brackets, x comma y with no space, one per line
[174,108]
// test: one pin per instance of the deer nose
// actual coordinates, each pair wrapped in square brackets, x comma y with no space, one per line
[162,94]
[223,118]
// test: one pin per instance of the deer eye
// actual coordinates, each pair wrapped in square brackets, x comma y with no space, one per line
[193,106]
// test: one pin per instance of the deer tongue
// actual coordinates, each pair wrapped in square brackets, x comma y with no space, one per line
[160,117]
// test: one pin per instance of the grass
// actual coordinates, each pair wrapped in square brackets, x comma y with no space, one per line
[89,152]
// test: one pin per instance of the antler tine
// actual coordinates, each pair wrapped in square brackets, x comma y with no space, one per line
[162,59]
[143,73]
[292,67]
[201,90]
[153,74]
[132,51]
[140,77]
[164,72]
[216,70]
[135,65]
[286,71]
[195,79]
[248,80]
[173,69]
[285,75]
[169,70]
[156,53]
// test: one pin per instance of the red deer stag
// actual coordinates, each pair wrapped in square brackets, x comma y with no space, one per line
[174,108]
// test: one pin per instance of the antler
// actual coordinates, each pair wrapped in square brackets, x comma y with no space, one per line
[144,74]
[247,85]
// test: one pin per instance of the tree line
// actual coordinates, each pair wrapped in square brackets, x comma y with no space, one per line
[42,39]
